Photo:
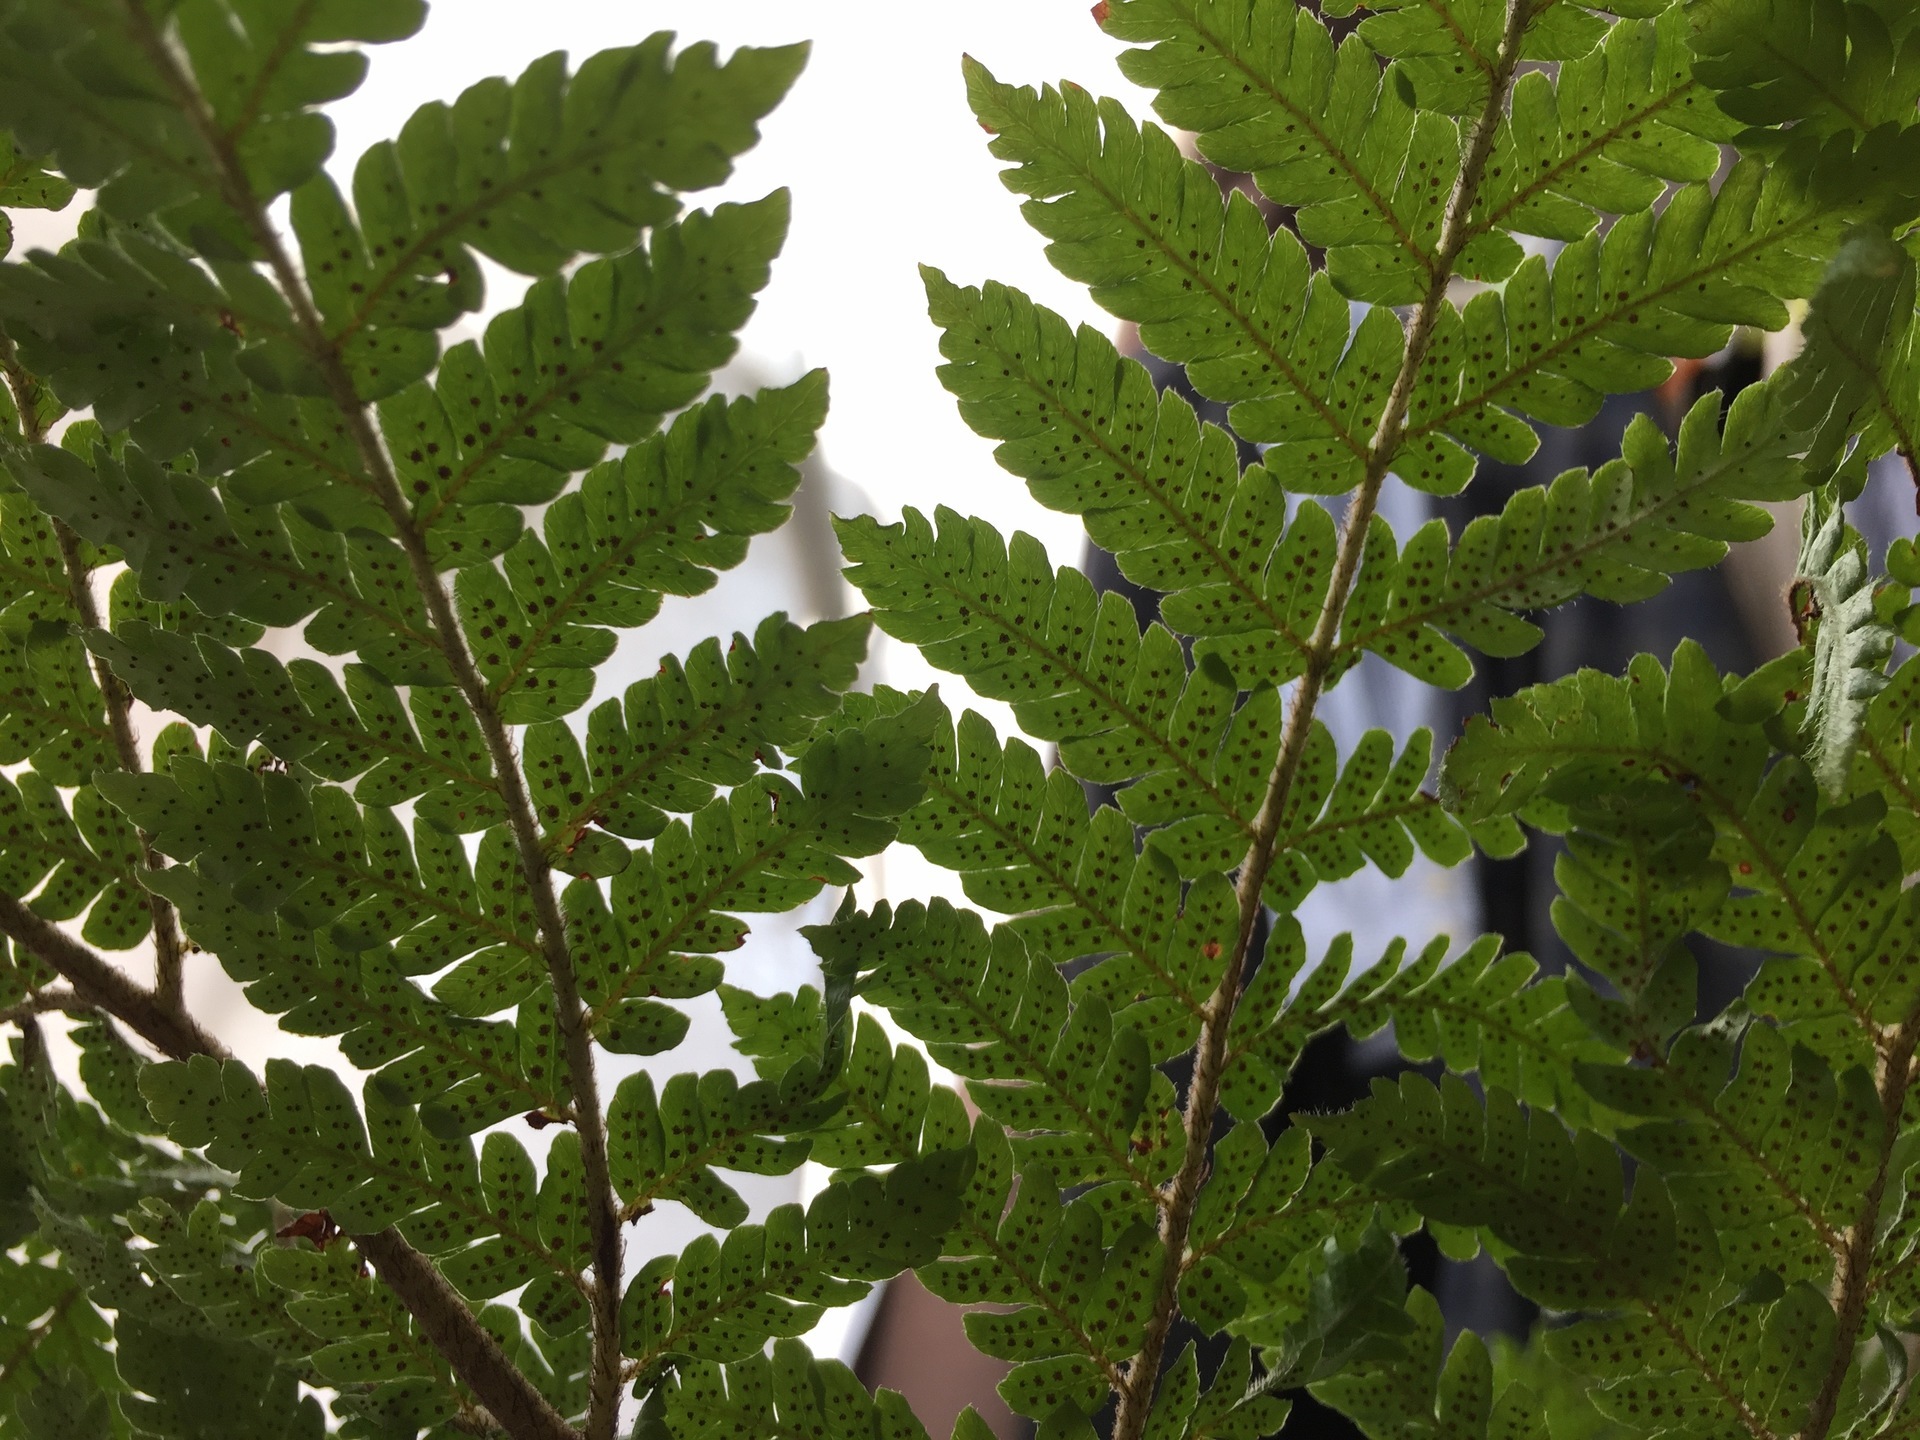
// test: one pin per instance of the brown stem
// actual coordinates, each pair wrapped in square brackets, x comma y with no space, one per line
[99,982]
[1852,1277]
[443,1317]
[476,1357]
[167,949]
[43,1002]
[1176,1216]
[603,1209]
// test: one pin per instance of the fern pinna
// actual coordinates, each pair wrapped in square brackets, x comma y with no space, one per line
[365,579]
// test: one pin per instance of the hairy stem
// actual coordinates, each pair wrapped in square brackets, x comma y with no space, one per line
[168,951]
[443,1317]
[44,1002]
[470,1349]
[1852,1277]
[603,1217]
[97,981]
[1210,1053]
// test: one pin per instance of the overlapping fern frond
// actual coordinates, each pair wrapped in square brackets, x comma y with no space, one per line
[371,580]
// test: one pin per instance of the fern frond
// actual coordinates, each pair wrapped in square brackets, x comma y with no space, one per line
[1024,845]
[595,358]
[1479,1012]
[1889,761]
[184,1365]
[1004,1020]
[1371,808]
[1555,1200]
[666,1147]
[262,69]
[1852,643]
[892,1114]
[661,520]
[74,858]
[1617,533]
[1847,378]
[1826,64]
[265,564]
[1420,1393]
[1638,876]
[1163,493]
[720,1301]
[355,727]
[890,1109]
[1318,126]
[787,1392]
[1776,1154]
[1810,878]
[533,172]
[1265,1214]
[767,846]
[1075,665]
[209,1259]
[1604,317]
[705,722]
[1028,1253]
[490,1222]
[1208,284]
[1604,135]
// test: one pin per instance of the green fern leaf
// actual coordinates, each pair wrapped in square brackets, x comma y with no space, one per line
[1087,432]
[666,1147]
[1889,762]
[260,68]
[1783,1134]
[1480,1011]
[73,860]
[490,1223]
[1426,1395]
[1616,533]
[1075,666]
[210,1259]
[1554,744]
[1446,51]
[1210,288]
[264,564]
[1604,135]
[1541,1192]
[954,987]
[1636,878]
[1858,329]
[1265,1216]
[51,712]
[533,172]
[304,715]
[698,724]
[1604,317]
[1851,642]
[726,1298]
[1230,1408]
[1041,1256]
[891,1109]
[1827,64]
[1023,844]
[595,358]
[1811,881]
[785,1393]
[662,520]
[1317,126]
